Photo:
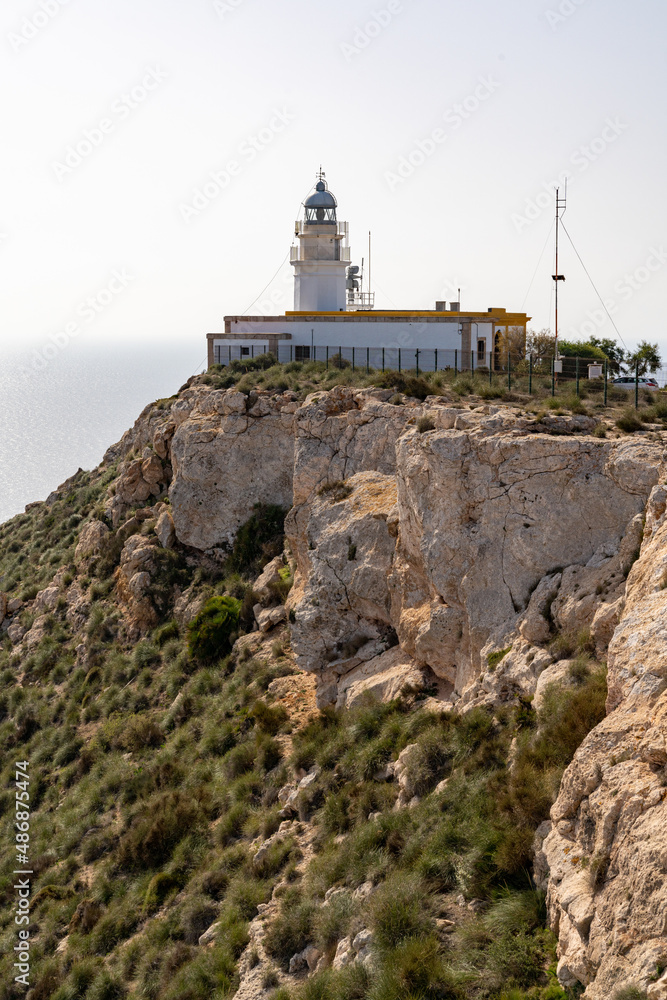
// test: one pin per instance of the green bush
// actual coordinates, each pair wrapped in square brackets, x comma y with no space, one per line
[211,632]
[629,422]
[291,930]
[398,912]
[159,826]
[159,887]
[258,540]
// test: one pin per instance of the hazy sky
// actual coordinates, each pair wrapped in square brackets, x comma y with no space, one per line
[442,128]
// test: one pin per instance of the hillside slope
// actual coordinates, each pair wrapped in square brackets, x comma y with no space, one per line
[296,680]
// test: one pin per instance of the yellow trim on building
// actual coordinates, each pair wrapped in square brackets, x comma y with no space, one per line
[518,319]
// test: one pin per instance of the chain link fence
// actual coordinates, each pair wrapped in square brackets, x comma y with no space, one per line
[492,372]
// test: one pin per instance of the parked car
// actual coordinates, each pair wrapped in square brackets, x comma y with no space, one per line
[628,382]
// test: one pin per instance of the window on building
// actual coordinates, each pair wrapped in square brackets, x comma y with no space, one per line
[302,353]
[245,352]
[481,349]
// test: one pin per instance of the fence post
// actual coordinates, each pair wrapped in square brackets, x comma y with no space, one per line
[327,359]
[291,351]
[553,376]
[636,385]
[230,354]
[490,368]
[417,361]
[509,370]
[577,370]
[456,362]
[368,360]
[472,362]
[530,375]
[314,352]
[436,359]
[353,359]
[399,359]
[383,359]
[605,381]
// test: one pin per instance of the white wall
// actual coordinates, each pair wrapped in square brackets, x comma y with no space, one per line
[443,334]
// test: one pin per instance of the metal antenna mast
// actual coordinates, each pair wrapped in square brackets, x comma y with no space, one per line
[561,205]
[370,288]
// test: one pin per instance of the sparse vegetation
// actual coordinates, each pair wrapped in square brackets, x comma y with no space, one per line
[157,764]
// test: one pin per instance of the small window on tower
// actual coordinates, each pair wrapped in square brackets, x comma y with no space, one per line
[302,353]
[481,348]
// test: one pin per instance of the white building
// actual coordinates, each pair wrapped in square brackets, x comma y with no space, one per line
[332,315]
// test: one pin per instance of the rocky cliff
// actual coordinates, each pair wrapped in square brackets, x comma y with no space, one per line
[467,552]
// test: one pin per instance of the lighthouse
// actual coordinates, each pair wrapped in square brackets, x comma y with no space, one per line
[320,255]
[334,317]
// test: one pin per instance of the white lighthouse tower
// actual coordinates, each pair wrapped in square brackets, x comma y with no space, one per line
[321,254]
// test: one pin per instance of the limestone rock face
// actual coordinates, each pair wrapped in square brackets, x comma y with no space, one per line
[227,456]
[607,846]
[484,527]
[341,602]
[485,516]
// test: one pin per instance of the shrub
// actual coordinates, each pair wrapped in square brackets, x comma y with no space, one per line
[493,659]
[425,424]
[230,826]
[415,386]
[159,887]
[258,540]
[598,869]
[197,917]
[335,491]
[398,911]
[210,634]
[291,931]
[629,422]
[81,977]
[141,732]
[158,828]
[269,718]
[166,633]
[629,993]
[106,987]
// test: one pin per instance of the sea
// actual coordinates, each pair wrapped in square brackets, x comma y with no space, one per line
[61,415]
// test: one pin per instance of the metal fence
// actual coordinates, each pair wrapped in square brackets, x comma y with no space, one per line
[511,372]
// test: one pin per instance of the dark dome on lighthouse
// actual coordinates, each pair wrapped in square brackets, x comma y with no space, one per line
[320,206]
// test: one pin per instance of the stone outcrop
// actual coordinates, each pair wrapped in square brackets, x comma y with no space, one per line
[605,852]
[450,541]
[231,453]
